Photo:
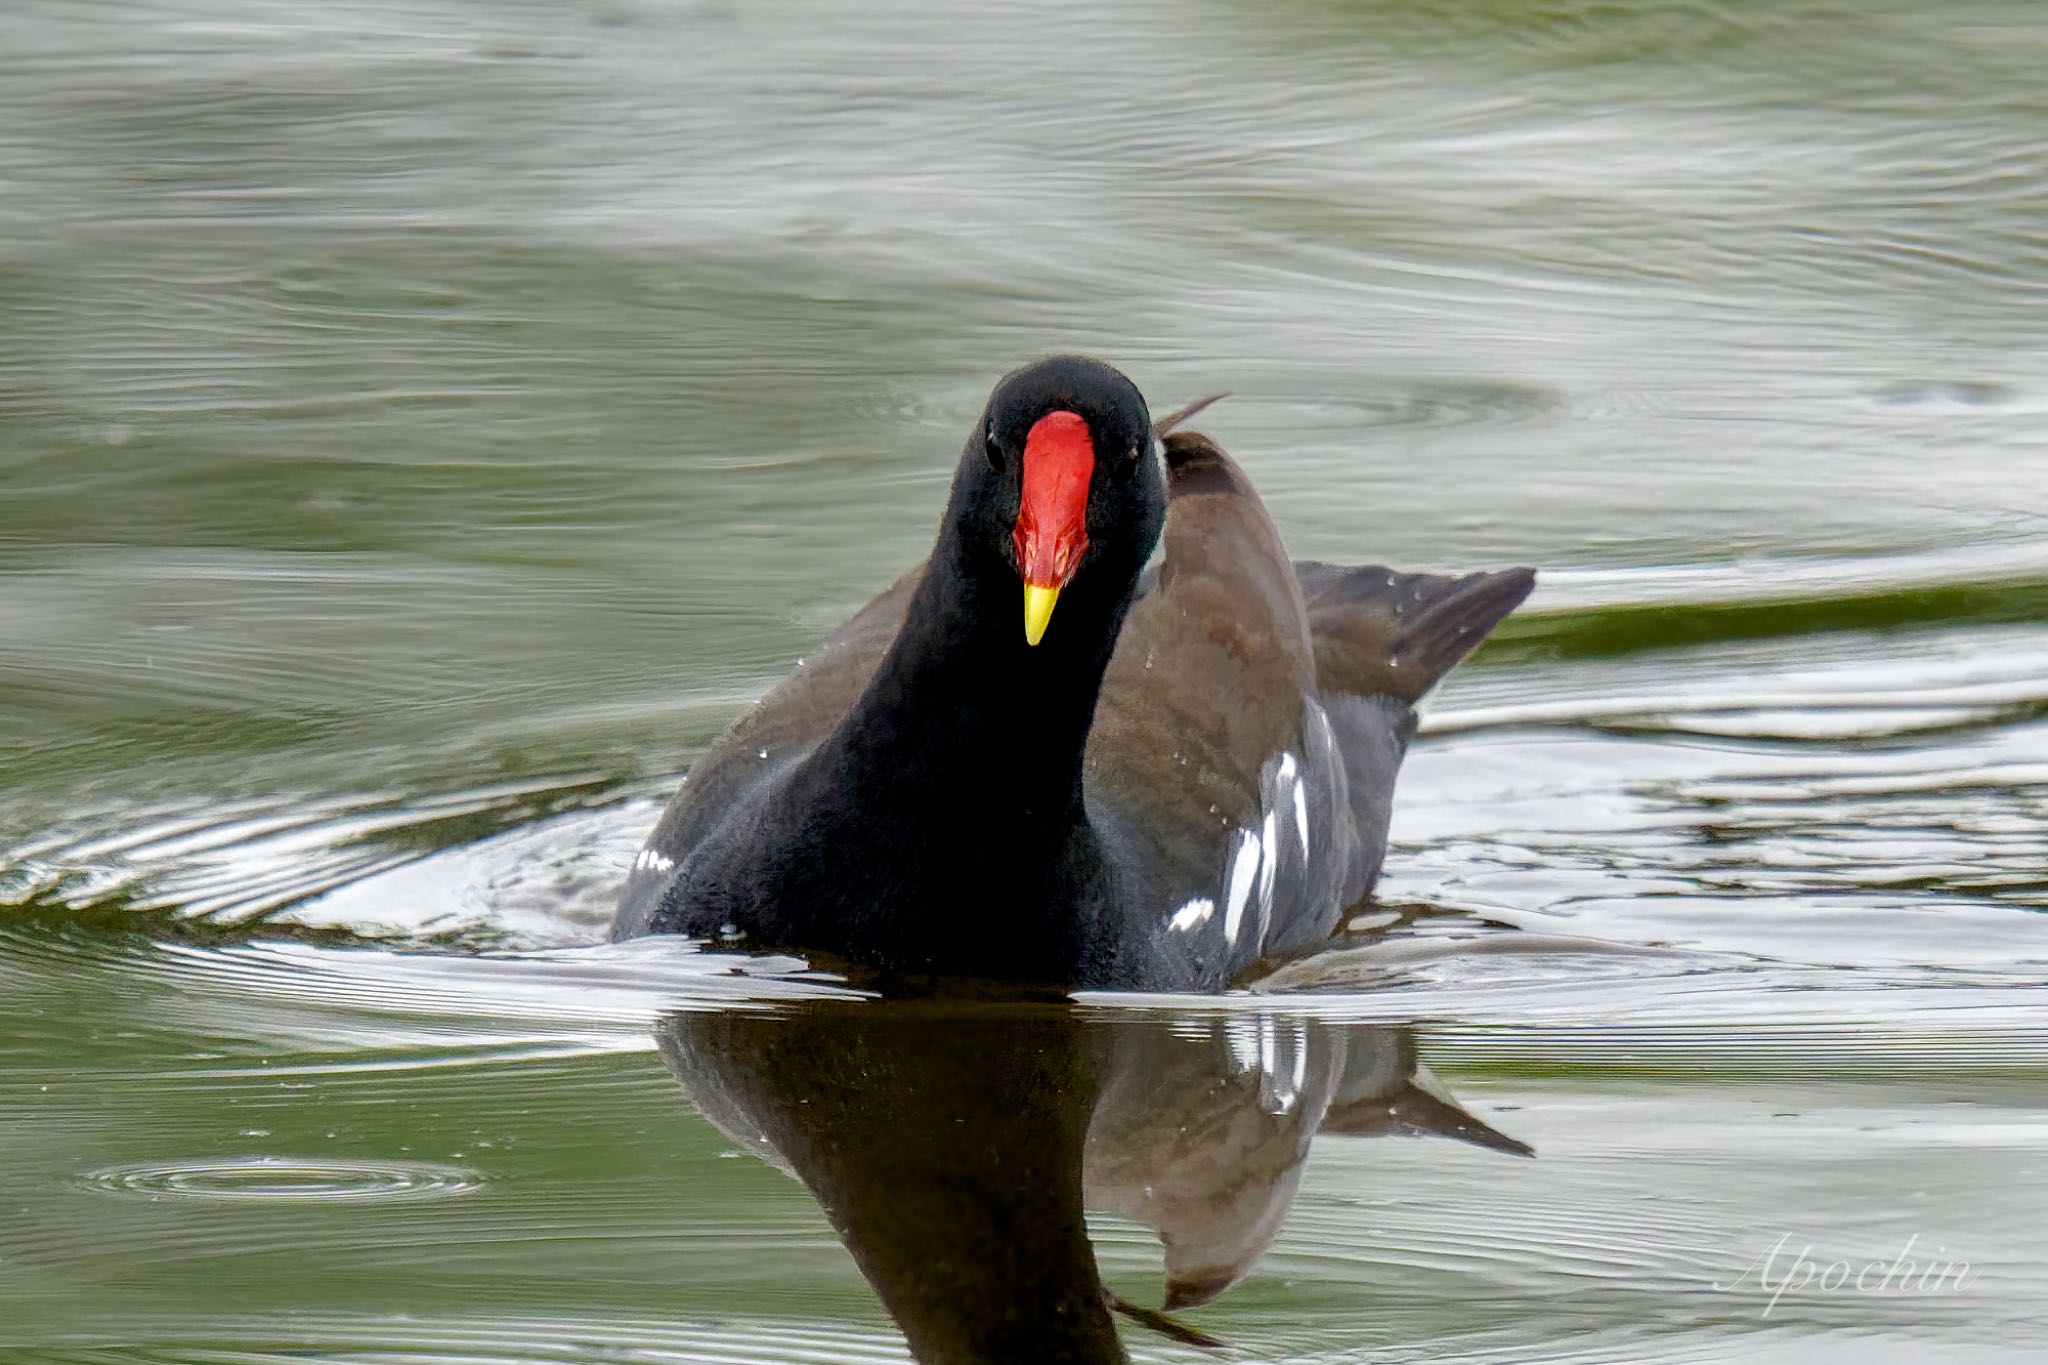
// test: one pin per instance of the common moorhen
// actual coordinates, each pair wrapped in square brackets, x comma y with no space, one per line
[1161,778]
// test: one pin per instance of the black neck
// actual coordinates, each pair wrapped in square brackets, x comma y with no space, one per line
[957,775]
[955,780]
[963,716]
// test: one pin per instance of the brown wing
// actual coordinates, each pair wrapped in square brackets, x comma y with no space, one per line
[1255,716]
[1209,769]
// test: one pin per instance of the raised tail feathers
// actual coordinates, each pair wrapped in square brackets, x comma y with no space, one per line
[1379,632]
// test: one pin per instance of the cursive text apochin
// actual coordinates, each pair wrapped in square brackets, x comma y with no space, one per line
[1781,1271]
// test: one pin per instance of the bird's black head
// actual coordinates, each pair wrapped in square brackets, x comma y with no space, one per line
[1061,482]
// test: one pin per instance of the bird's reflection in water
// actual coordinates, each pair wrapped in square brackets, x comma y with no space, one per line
[954,1145]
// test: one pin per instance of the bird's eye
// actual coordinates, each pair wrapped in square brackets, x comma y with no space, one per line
[992,450]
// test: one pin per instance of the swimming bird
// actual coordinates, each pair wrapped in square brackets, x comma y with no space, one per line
[1033,759]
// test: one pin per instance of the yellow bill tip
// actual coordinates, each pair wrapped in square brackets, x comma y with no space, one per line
[1038,605]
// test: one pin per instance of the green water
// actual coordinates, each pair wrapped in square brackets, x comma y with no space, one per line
[422,427]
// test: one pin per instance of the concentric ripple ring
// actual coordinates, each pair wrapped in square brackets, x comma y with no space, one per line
[286,1178]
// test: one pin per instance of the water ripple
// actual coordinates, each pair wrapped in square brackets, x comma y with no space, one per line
[273,1178]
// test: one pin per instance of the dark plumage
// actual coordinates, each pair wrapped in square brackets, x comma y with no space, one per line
[1187,773]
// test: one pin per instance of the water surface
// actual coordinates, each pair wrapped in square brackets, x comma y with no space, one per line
[422,428]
